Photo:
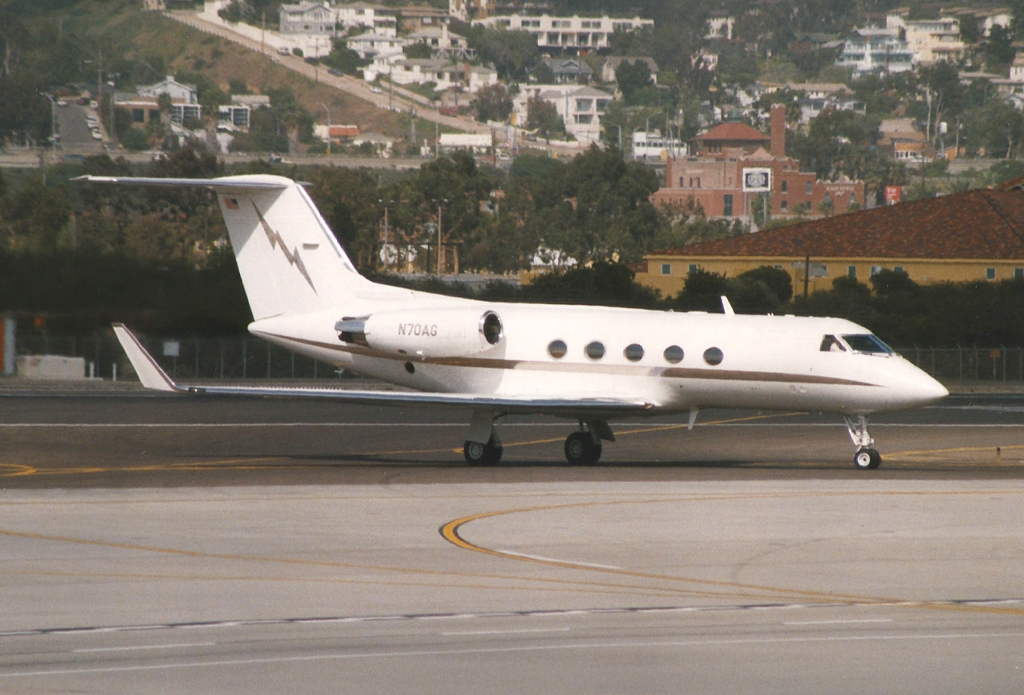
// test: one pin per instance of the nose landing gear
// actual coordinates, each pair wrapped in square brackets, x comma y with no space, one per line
[866,458]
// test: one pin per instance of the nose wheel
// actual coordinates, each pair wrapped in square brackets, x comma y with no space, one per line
[866,457]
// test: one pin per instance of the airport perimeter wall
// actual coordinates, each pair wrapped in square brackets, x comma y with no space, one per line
[252,358]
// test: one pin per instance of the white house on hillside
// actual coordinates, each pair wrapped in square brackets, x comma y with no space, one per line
[876,51]
[566,32]
[371,46]
[579,107]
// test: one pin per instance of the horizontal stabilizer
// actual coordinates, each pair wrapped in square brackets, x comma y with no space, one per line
[226,182]
[150,373]
[153,377]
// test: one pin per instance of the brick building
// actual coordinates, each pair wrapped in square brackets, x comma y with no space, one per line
[732,156]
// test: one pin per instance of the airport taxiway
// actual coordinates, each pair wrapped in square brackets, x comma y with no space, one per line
[157,545]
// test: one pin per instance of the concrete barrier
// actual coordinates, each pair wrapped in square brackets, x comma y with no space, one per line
[51,367]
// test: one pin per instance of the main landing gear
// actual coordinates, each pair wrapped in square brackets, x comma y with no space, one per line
[582,447]
[478,454]
[866,458]
[482,447]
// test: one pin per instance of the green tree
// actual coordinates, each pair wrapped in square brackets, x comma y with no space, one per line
[347,199]
[511,52]
[633,78]
[999,50]
[543,117]
[492,103]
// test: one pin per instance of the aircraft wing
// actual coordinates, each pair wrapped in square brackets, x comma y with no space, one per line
[154,377]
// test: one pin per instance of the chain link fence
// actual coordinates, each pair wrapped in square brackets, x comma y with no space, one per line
[969,364]
[252,358]
[185,358]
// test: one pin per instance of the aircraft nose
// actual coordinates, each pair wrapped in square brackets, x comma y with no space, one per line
[920,389]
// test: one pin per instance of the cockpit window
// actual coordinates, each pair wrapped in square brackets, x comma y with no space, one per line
[831,344]
[867,343]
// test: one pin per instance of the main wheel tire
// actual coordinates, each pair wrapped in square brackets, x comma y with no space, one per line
[867,459]
[581,449]
[478,454]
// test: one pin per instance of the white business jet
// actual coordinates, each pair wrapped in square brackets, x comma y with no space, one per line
[493,359]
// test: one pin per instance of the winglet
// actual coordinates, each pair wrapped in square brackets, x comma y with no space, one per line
[150,373]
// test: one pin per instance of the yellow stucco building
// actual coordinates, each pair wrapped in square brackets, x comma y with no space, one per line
[977,235]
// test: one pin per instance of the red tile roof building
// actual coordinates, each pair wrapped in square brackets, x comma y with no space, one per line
[714,177]
[977,235]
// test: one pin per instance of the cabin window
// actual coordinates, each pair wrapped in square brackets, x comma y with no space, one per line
[595,350]
[673,354]
[867,343]
[557,349]
[713,356]
[634,352]
[831,344]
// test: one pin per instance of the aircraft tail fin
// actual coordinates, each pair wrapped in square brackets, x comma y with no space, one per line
[289,259]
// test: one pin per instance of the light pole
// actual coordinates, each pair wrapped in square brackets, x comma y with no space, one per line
[53,122]
[386,205]
[113,96]
[328,128]
[439,253]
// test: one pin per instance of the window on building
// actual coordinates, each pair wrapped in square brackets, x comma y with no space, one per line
[1018,273]
[809,185]
[726,204]
[876,269]
[666,268]
[853,200]
[692,268]
[851,271]
[898,269]
[990,273]
[138,115]
[785,186]
[784,205]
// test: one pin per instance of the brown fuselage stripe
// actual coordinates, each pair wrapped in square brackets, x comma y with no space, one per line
[666,372]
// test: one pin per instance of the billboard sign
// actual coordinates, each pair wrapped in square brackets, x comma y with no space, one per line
[893,194]
[757,180]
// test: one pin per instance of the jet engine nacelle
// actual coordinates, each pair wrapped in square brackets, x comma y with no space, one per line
[425,332]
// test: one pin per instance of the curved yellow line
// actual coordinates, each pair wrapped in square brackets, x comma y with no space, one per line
[450,532]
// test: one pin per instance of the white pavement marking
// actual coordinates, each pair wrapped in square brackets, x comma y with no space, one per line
[555,559]
[531,648]
[143,648]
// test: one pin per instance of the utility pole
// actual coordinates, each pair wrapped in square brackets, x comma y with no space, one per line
[439,239]
[328,128]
